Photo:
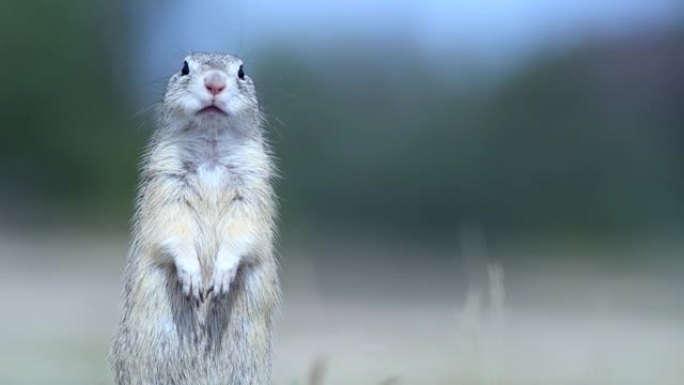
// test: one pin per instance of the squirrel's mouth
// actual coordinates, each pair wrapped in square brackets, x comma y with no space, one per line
[211,109]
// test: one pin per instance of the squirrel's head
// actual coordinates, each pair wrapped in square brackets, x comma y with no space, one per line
[211,88]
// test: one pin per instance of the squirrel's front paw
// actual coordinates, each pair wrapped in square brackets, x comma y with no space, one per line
[190,278]
[224,274]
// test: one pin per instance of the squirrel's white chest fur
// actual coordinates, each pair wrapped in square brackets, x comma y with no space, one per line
[211,168]
[212,178]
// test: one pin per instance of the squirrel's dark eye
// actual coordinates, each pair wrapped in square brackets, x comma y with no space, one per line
[241,72]
[186,69]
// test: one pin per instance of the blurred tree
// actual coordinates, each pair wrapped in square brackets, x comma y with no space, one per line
[370,135]
[66,138]
[560,146]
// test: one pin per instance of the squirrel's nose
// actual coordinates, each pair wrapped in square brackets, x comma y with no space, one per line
[214,83]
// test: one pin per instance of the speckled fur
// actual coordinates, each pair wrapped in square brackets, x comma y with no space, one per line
[205,215]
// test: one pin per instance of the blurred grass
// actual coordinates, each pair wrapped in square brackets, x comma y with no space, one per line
[570,323]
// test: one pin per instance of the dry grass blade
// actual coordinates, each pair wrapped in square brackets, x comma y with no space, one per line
[317,371]
[390,381]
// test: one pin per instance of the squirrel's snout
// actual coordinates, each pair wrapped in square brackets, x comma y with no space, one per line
[214,83]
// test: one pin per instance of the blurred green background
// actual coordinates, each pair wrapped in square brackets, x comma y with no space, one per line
[424,148]
[580,137]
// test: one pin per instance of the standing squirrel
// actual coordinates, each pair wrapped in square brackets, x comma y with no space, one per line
[201,284]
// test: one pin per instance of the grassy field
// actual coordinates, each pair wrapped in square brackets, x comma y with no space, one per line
[403,317]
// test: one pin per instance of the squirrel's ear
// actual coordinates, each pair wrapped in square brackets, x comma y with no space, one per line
[186,69]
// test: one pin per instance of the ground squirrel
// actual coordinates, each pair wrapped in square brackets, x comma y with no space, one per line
[201,284]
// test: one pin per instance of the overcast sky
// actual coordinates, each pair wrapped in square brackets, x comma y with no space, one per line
[495,30]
